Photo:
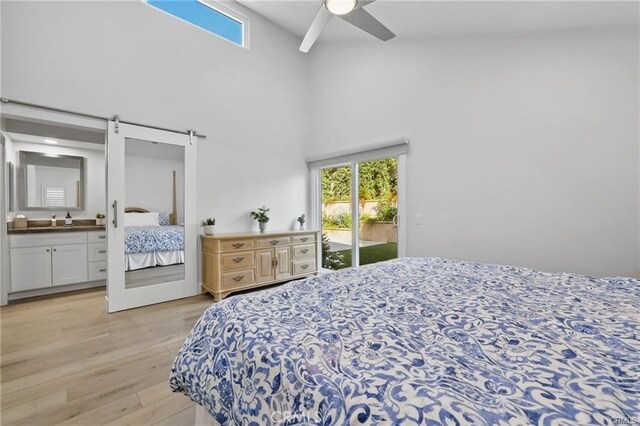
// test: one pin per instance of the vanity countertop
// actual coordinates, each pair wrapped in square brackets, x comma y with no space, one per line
[61,228]
[39,226]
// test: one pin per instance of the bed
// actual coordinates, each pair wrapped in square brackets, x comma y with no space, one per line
[152,238]
[420,341]
[153,245]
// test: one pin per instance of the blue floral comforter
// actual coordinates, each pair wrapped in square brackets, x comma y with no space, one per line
[149,239]
[420,341]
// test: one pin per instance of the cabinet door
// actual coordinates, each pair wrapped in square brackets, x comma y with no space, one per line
[264,266]
[30,268]
[283,263]
[69,264]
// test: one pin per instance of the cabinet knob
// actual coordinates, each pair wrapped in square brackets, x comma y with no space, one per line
[55,249]
[48,250]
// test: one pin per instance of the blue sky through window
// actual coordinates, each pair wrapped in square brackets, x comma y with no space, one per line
[204,17]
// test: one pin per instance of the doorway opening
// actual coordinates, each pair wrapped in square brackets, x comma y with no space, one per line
[359,212]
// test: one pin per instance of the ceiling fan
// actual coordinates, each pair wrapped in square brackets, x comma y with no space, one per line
[351,11]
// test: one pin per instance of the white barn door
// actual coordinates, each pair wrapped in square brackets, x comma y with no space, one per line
[150,265]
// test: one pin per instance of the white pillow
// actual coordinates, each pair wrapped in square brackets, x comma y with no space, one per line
[141,219]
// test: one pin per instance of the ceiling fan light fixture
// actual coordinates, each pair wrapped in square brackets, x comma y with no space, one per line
[340,7]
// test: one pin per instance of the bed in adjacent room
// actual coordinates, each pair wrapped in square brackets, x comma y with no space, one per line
[420,341]
[151,240]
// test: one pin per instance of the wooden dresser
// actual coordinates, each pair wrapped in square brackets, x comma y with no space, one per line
[234,262]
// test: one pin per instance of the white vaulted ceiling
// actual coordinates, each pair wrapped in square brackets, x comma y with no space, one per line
[420,19]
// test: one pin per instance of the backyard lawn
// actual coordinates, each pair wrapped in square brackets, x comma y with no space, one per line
[372,254]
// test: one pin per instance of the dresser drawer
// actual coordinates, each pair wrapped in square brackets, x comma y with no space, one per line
[306,238]
[304,266]
[304,251]
[97,237]
[238,260]
[97,251]
[274,241]
[97,271]
[238,278]
[236,245]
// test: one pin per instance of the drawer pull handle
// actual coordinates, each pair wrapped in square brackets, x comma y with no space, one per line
[304,266]
[102,270]
[102,251]
[274,242]
[102,237]
[237,245]
[304,239]
[304,251]
[238,278]
[238,259]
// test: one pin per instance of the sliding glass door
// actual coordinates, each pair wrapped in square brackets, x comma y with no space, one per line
[337,217]
[359,211]
[378,202]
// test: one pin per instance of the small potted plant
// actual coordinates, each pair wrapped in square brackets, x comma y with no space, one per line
[101,220]
[209,225]
[301,220]
[262,217]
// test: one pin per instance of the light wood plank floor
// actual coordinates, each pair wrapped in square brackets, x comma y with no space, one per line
[64,360]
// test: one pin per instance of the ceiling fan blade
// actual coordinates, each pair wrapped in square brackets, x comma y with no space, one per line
[367,23]
[319,22]
[363,3]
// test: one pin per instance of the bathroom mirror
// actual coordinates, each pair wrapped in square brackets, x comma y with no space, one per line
[51,182]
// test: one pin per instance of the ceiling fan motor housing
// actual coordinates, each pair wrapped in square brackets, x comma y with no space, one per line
[340,7]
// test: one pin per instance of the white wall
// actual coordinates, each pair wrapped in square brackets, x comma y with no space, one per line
[95,185]
[524,148]
[130,59]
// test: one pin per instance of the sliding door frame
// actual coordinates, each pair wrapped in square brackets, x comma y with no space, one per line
[355,215]
[316,195]
[402,205]
[4,246]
